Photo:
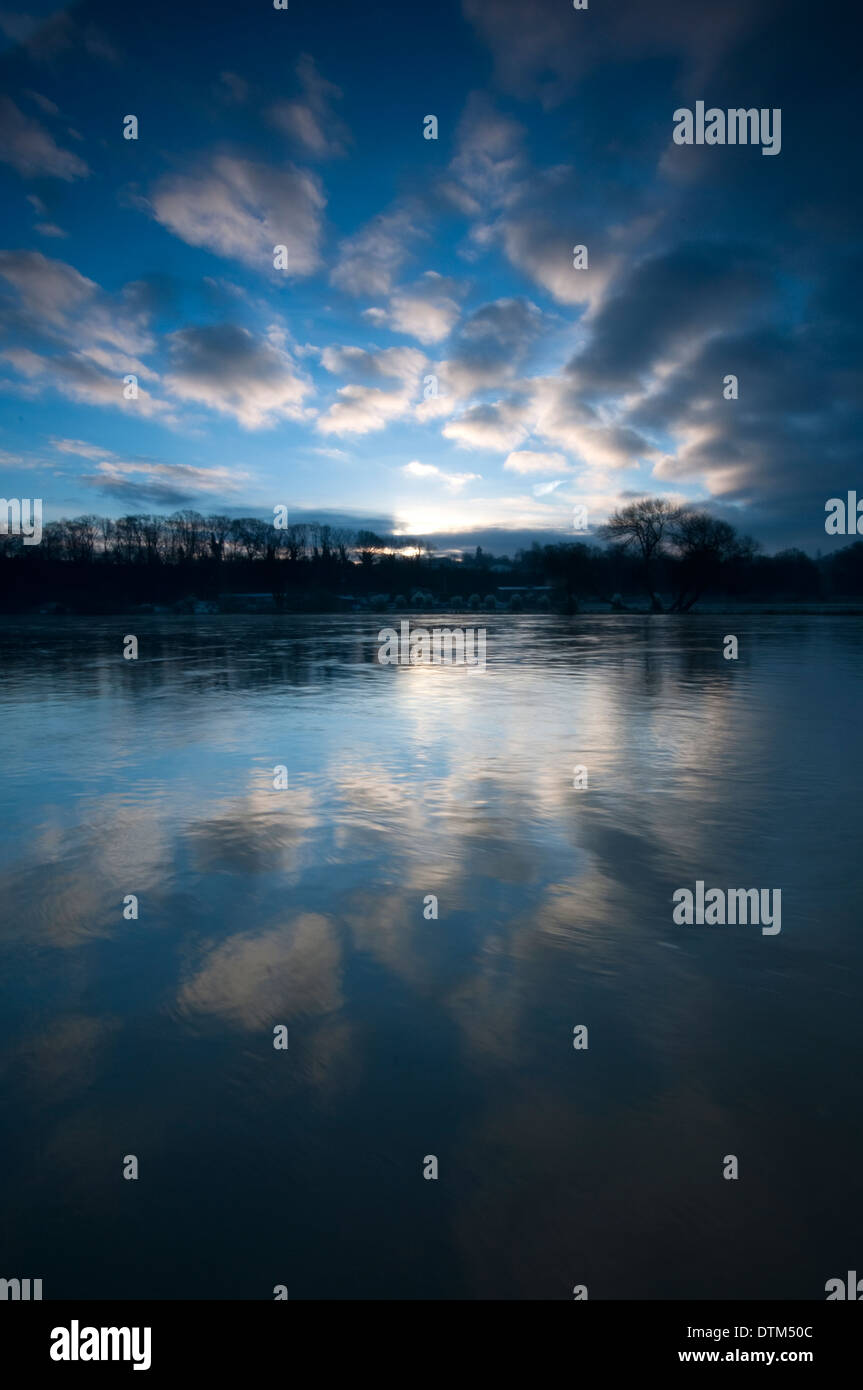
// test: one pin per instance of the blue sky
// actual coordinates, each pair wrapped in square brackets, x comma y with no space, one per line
[411,258]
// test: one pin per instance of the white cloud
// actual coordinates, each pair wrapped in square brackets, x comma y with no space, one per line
[425,310]
[498,426]
[100,336]
[485,171]
[241,210]
[81,448]
[215,479]
[561,417]
[225,368]
[432,407]
[363,409]
[74,375]
[370,259]
[542,246]
[402,363]
[527,461]
[453,481]
[24,360]
[362,406]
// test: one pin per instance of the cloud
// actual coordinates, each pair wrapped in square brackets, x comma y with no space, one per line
[311,122]
[551,409]
[665,305]
[558,414]
[369,261]
[144,481]
[78,377]
[31,150]
[241,210]
[453,481]
[89,340]
[234,89]
[363,409]
[425,310]
[54,300]
[60,34]
[498,426]
[225,368]
[162,484]
[541,244]
[80,447]
[489,160]
[528,461]
[402,363]
[545,58]
[329,453]
[792,438]
[44,103]
[50,291]
[284,972]
[535,217]
[491,345]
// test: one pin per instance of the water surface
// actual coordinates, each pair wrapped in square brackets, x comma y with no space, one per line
[410,1037]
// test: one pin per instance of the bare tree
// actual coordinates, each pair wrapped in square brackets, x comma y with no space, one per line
[703,545]
[369,546]
[250,536]
[80,538]
[191,533]
[296,541]
[643,527]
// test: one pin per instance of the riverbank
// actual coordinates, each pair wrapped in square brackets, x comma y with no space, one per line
[266,604]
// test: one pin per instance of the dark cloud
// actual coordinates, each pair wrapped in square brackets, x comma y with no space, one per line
[543,49]
[310,120]
[228,369]
[32,150]
[61,35]
[667,303]
[135,496]
[492,343]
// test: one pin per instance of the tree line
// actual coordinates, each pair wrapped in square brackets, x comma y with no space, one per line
[649,549]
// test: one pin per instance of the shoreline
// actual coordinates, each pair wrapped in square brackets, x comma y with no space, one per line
[211,609]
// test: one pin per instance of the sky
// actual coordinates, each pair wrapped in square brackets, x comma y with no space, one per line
[430,361]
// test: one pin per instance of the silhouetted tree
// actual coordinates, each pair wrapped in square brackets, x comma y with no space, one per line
[642,526]
[703,546]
